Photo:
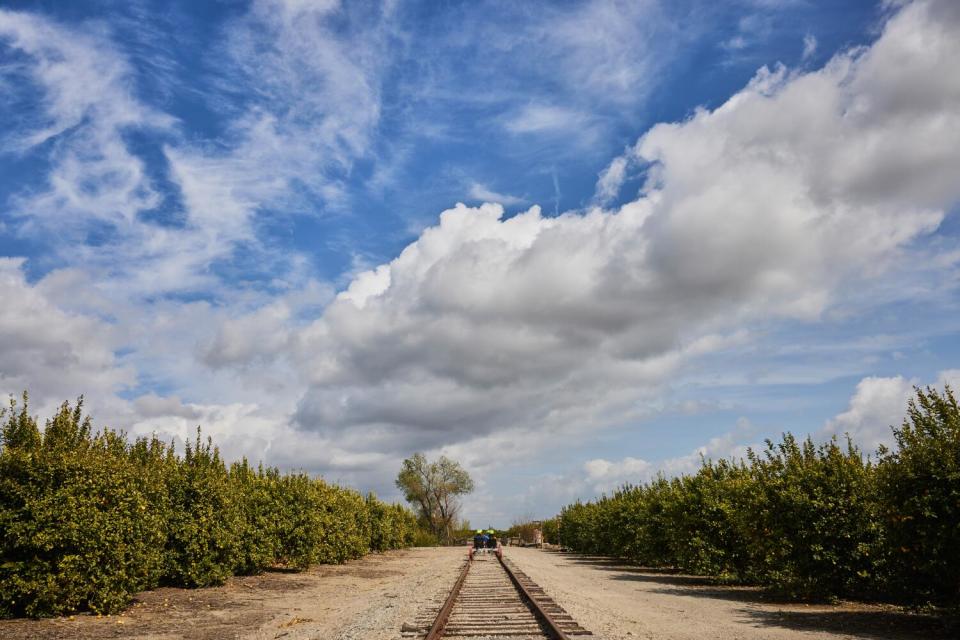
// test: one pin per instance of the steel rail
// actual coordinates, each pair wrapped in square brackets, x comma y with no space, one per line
[436,631]
[548,624]
[540,612]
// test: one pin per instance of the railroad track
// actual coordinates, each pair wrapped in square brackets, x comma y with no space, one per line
[493,599]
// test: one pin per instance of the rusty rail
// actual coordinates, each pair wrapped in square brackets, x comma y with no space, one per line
[436,631]
[545,617]
[499,600]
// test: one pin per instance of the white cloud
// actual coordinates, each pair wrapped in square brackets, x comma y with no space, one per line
[313,103]
[609,48]
[83,77]
[96,182]
[484,194]
[809,45]
[604,476]
[763,208]
[86,106]
[751,28]
[544,496]
[878,405]
[735,43]
[248,339]
[489,334]
[52,353]
[611,179]
[541,118]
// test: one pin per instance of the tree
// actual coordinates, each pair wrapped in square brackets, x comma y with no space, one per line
[525,528]
[434,488]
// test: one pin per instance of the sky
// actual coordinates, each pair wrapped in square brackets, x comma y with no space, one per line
[568,244]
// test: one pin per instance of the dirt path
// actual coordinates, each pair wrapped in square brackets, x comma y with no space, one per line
[618,601]
[367,598]
[370,599]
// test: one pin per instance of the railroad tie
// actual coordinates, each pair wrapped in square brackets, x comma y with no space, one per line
[493,599]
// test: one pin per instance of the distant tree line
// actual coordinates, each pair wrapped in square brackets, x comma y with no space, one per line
[804,519]
[88,518]
[524,528]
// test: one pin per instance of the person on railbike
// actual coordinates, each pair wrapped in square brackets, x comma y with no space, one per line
[491,539]
[480,540]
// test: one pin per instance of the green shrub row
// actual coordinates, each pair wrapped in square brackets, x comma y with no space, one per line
[88,519]
[803,519]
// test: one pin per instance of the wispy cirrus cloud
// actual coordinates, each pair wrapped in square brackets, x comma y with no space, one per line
[540,118]
[312,106]
[611,179]
[609,48]
[87,105]
[809,46]
[484,194]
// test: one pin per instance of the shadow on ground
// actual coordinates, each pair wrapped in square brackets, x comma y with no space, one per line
[886,625]
[627,571]
[855,619]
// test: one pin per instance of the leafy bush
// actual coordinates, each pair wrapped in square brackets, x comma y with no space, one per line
[813,526]
[205,520]
[919,486]
[391,525]
[806,520]
[423,538]
[550,531]
[87,520]
[76,530]
[256,493]
[706,536]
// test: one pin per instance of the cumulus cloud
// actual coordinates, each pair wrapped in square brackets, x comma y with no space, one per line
[547,494]
[245,340]
[878,405]
[61,338]
[52,353]
[799,185]
[600,475]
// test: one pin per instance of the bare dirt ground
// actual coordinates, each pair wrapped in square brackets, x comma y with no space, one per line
[617,601]
[371,599]
[367,598]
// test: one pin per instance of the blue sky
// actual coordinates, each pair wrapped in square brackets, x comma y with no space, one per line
[685,227]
